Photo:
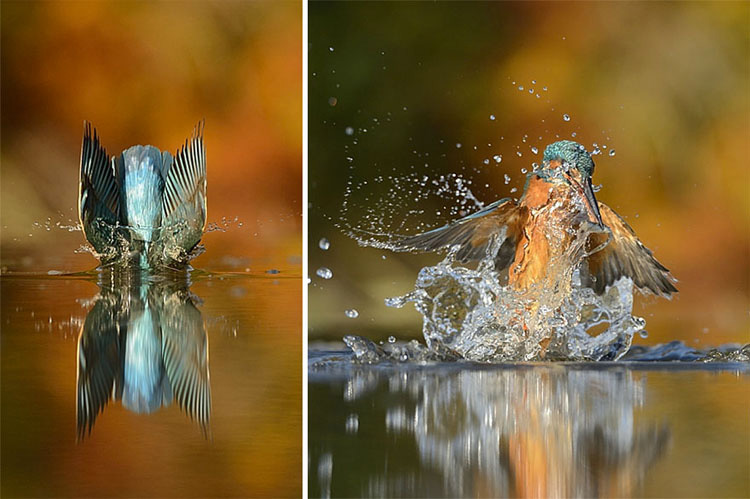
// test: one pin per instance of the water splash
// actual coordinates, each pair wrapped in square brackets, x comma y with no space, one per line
[473,314]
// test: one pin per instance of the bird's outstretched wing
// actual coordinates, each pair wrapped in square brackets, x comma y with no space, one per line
[624,255]
[98,194]
[185,354]
[474,233]
[99,364]
[184,201]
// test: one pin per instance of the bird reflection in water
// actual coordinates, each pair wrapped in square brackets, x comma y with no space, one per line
[521,432]
[143,343]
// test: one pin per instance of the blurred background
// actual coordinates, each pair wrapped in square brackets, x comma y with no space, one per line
[419,90]
[146,73]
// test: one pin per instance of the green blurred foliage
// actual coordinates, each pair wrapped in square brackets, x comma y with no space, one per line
[146,73]
[664,84]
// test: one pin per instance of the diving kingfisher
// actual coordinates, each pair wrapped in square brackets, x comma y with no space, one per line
[558,201]
[144,206]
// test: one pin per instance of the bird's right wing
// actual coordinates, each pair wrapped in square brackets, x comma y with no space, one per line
[474,233]
[185,354]
[98,194]
[184,202]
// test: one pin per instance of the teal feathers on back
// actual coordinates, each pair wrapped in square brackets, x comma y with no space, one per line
[143,207]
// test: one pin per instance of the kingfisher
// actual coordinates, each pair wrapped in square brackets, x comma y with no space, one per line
[542,227]
[143,343]
[144,206]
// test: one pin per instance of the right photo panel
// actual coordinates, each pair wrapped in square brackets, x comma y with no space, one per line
[529,249]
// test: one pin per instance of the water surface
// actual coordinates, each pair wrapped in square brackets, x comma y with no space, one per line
[459,429]
[81,415]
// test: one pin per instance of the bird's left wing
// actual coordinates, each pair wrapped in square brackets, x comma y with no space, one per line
[623,254]
[98,194]
[99,363]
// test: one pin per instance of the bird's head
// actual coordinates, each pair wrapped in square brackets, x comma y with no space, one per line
[569,161]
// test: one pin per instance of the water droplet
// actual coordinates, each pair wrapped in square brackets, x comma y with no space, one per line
[506,178]
[330,48]
[492,117]
[349,130]
[391,339]
[458,145]
[324,244]
[611,152]
[352,423]
[533,82]
[566,117]
[352,313]
[324,272]
[534,150]
[497,158]
[643,333]
[520,87]
[524,170]
[573,134]
[332,101]
[518,153]
[513,190]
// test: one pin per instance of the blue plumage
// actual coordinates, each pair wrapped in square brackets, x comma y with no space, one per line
[143,207]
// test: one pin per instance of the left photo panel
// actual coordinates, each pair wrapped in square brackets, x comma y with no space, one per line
[151,249]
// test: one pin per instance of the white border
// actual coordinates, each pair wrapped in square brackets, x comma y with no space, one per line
[305,270]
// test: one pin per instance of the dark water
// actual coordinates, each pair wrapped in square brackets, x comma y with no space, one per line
[612,429]
[185,386]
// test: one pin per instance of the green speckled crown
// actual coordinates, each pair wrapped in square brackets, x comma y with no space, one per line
[570,152]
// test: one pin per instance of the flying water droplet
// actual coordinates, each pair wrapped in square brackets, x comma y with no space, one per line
[352,423]
[566,117]
[391,339]
[497,158]
[349,130]
[486,161]
[534,150]
[458,145]
[506,178]
[611,152]
[324,272]
[352,313]
[324,244]
[492,117]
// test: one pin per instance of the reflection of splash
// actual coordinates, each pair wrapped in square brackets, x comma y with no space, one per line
[143,343]
[526,432]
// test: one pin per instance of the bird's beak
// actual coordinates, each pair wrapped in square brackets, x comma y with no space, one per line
[586,190]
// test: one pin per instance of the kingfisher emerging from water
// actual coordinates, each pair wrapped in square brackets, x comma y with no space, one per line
[143,207]
[542,227]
